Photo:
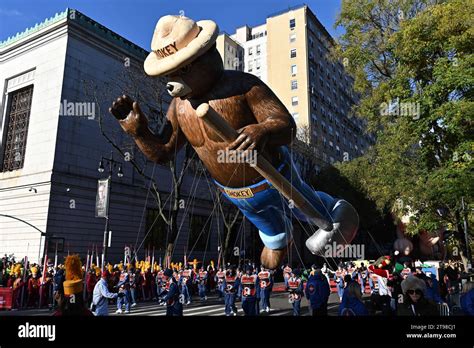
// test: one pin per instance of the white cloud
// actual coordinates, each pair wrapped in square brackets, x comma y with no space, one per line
[10,13]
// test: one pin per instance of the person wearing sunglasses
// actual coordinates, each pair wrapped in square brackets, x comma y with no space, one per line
[413,302]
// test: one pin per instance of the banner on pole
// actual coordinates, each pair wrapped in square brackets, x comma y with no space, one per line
[102,198]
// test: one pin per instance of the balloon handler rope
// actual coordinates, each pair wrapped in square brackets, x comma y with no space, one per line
[229,134]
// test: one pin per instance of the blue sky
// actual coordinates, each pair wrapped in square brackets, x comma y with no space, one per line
[136,19]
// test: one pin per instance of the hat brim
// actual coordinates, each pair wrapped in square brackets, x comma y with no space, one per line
[155,66]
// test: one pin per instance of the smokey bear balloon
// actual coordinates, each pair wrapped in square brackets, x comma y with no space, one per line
[185,53]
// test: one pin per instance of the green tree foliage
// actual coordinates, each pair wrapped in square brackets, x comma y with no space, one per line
[413,66]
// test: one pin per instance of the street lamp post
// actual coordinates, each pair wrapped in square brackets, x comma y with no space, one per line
[112,164]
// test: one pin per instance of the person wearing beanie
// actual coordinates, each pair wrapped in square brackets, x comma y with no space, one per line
[71,300]
[101,294]
[414,300]
[174,305]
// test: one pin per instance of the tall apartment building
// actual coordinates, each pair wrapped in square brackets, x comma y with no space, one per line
[231,52]
[290,52]
[254,42]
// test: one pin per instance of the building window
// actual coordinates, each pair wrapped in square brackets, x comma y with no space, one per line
[250,66]
[157,228]
[18,117]
[294,101]
[292,37]
[258,49]
[294,84]
[200,229]
[295,116]
[250,51]
[292,23]
[257,64]
[293,53]
[294,70]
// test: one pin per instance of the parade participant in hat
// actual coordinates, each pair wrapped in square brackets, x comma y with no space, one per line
[184,51]
[265,283]
[185,283]
[220,277]
[123,287]
[45,288]
[249,283]
[295,287]
[17,284]
[70,300]
[33,287]
[101,295]
[174,306]
[231,284]
[201,280]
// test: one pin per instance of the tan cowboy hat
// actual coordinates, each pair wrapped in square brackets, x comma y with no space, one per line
[177,41]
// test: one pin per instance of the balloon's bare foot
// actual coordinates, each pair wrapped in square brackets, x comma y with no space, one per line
[272,258]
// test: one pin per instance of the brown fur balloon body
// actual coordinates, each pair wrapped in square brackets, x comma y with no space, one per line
[243,100]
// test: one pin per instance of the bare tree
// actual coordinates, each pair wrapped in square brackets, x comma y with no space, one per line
[150,93]
[230,215]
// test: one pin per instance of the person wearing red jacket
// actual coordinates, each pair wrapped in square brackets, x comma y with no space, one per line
[33,288]
[91,280]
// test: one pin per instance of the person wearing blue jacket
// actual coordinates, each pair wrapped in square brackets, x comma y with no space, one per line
[467,299]
[432,289]
[317,292]
[351,304]
[100,295]
[174,304]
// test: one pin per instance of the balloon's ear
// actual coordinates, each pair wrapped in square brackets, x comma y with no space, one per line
[345,225]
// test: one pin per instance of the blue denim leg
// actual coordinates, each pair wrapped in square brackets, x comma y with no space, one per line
[270,212]
[297,308]
[126,299]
